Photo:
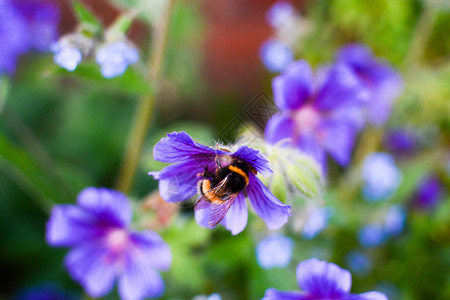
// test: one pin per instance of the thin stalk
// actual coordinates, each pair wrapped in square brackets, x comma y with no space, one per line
[144,111]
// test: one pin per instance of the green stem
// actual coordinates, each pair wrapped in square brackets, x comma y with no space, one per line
[144,111]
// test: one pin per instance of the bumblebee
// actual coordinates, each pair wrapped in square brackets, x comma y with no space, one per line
[218,190]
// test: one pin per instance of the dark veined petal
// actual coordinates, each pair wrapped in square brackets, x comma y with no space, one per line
[151,249]
[322,279]
[179,146]
[340,87]
[69,225]
[293,87]
[338,140]
[178,182]
[139,280]
[90,265]
[236,218]
[279,127]
[274,213]
[273,294]
[254,158]
[110,207]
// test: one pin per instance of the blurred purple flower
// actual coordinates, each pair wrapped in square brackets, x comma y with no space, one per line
[45,292]
[13,37]
[322,280]
[274,251]
[372,235]
[382,81]
[115,57]
[213,296]
[178,182]
[316,222]
[42,19]
[66,55]
[359,262]
[104,248]
[280,13]
[380,175]
[276,55]
[400,141]
[317,116]
[394,222]
[429,191]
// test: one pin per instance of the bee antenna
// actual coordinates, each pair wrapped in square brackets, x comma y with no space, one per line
[218,161]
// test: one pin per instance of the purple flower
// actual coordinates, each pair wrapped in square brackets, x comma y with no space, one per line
[380,175]
[66,55]
[359,262]
[104,248]
[276,55]
[372,235]
[280,13]
[274,251]
[115,57]
[192,161]
[322,280]
[13,37]
[428,193]
[400,141]
[42,19]
[317,116]
[45,292]
[383,83]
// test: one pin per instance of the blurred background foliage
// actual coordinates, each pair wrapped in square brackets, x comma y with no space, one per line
[61,132]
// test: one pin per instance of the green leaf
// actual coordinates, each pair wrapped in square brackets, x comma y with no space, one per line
[89,22]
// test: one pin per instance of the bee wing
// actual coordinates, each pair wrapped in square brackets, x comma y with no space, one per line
[219,211]
[203,202]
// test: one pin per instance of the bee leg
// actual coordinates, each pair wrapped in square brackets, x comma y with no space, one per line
[206,173]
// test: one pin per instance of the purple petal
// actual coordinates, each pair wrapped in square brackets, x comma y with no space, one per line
[254,158]
[370,296]
[90,265]
[340,87]
[179,146]
[153,251]
[309,144]
[236,218]
[293,87]
[139,280]
[383,96]
[322,279]
[273,294]
[356,55]
[278,128]
[178,182]
[111,207]
[274,213]
[338,140]
[69,225]
[202,217]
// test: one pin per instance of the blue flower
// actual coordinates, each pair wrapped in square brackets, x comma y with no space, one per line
[13,37]
[400,141]
[382,82]
[380,175]
[104,248]
[45,292]
[192,161]
[359,262]
[395,220]
[317,115]
[322,280]
[372,235]
[115,57]
[276,55]
[316,222]
[274,251]
[213,296]
[280,13]
[66,55]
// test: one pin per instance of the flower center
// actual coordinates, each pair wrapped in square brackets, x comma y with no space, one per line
[307,118]
[117,240]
